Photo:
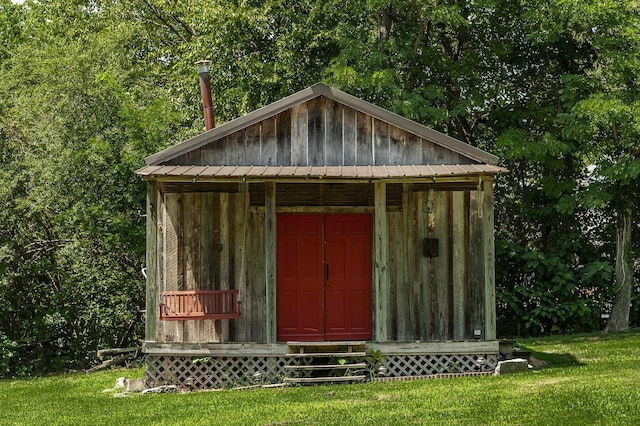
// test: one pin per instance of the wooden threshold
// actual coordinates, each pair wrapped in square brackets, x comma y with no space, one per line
[327,354]
[329,343]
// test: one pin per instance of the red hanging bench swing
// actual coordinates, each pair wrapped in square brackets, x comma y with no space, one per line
[199,305]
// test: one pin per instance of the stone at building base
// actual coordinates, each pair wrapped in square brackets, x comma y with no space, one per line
[511,366]
[161,389]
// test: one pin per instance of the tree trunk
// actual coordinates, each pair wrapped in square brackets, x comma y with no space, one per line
[619,319]
[384,24]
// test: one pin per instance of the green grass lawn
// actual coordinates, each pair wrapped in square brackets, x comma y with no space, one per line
[590,380]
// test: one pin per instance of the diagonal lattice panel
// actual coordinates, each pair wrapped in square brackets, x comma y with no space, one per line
[223,372]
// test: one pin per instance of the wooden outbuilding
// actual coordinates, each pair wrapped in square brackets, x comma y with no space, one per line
[318,228]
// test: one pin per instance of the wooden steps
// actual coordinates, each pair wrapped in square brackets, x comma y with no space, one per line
[326,354]
[315,362]
[358,378]
[326,366]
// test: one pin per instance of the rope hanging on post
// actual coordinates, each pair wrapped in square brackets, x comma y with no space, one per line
[480,198]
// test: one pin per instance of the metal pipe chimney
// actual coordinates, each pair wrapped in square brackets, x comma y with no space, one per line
[205,92]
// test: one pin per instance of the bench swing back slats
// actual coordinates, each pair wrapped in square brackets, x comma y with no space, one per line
[200,304]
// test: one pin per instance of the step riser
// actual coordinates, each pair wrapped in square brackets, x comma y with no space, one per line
[324,367]
[325,379]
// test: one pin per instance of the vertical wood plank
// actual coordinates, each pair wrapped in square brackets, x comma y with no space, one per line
[239,147]
[160,263]
[349,135]
[240,255]
[467,262]
[381,264]
[413,149]
[208,154]
[476,265]
[334,143]
[381,142]
[432,286]
[229,143]
[207,241]
[406,312]
[397,148]
[364,145]
[316,136]
[217,247]
[222,326]
[283,135]
[270,260]
[193,158]
[153,228]
[268,143]
[256,323]
[219,151]
[418,260]
[428,152]
[191,236]
[207,259]
[299,135]
[489,268]
[440,283]
[171,267]
[459,264]
[422,294]
[396,273]
[252,145]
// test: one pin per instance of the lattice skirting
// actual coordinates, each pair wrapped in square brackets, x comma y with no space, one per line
[400,365]
[224,372]
[213,372]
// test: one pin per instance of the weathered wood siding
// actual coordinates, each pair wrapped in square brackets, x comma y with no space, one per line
[449,296]
[317,133]
[218,240]
[211,241]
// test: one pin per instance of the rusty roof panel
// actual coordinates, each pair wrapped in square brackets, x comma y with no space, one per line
[345,172]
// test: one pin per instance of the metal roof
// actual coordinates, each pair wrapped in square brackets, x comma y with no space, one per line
[319,172]
[305,95]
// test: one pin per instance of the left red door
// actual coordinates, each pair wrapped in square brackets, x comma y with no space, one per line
[300,278]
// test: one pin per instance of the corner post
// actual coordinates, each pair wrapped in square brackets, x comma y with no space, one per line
[270,259]
[381,264]
[151,261]
[489,268]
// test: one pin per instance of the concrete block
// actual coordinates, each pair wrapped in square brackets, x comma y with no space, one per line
[510,366]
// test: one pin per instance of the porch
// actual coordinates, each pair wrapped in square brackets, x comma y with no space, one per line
[224,365]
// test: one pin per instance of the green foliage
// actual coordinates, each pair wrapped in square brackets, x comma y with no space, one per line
[72,132]
[548,293]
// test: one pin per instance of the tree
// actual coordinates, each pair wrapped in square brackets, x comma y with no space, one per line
[73,129]
[608,118]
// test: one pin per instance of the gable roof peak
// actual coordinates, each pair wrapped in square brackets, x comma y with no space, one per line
[321,89]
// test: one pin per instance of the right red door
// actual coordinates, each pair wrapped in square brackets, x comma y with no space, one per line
[347,291]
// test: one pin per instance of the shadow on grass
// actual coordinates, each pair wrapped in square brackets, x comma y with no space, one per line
[545,360]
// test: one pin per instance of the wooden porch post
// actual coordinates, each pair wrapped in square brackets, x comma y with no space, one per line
[489,268]
[151,261]
[270,259]
[381,264]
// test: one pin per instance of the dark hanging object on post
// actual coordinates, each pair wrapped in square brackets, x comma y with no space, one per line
[431,247]
[205,92]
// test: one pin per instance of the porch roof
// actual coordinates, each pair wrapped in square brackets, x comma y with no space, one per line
[318,172]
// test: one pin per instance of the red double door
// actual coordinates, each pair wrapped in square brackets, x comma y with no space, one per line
[323,288]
